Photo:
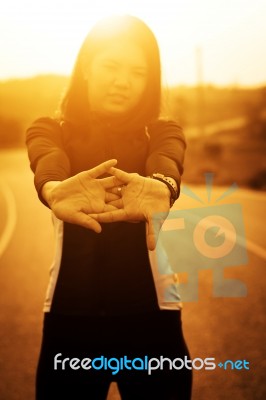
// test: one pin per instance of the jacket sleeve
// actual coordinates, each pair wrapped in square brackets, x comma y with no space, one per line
[166,150]
[48,160]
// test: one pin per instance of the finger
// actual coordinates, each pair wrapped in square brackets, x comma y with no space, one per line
[153,228]
[110,197]
[110,216]
[101,168]
[121,175]
[117,203]
[110,182]
[114,191]
[109,207]
[117,190]
[150,236]
[86,221]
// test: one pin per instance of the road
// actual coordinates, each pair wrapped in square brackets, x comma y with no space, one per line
[223,328]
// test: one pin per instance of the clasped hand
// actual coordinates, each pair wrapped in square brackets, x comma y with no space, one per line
[87,200]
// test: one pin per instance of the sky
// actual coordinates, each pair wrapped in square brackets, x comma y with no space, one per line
[220,42]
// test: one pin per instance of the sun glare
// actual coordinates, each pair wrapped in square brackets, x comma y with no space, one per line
[44,37]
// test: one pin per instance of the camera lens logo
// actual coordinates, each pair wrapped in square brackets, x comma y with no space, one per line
[210,237]
[223,232]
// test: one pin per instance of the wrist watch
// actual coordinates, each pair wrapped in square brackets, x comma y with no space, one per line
[174,193]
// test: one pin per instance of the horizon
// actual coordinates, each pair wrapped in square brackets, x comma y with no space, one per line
[166,86]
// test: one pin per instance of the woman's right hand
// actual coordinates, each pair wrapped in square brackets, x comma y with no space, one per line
[73,199]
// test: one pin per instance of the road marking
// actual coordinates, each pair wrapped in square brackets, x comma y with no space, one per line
[11,216]
[256,249]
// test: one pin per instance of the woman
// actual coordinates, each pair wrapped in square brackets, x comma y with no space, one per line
[105,300]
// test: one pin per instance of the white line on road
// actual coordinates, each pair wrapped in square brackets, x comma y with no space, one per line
[11,216]
[256,249]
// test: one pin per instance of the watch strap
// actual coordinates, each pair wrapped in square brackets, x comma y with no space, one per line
[173,191]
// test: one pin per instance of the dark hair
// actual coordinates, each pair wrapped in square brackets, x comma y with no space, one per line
[75,106]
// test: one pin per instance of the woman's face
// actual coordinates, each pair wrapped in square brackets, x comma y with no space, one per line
[117,79]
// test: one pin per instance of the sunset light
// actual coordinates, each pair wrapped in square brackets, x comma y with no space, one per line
[132,198]
[44,37]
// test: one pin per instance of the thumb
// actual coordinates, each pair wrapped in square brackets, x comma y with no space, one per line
[153,228]
[152,233]
[150,237]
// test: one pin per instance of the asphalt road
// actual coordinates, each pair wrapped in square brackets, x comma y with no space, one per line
[219,327]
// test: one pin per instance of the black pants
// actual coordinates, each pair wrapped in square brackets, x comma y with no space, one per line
[68,340]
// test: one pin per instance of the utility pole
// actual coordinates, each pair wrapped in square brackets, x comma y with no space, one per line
[200,91]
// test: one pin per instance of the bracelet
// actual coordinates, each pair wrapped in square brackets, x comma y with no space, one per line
[173,190]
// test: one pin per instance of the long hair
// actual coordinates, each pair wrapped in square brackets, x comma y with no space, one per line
[75,105]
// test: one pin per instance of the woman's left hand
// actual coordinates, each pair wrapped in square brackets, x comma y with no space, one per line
[142,199]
